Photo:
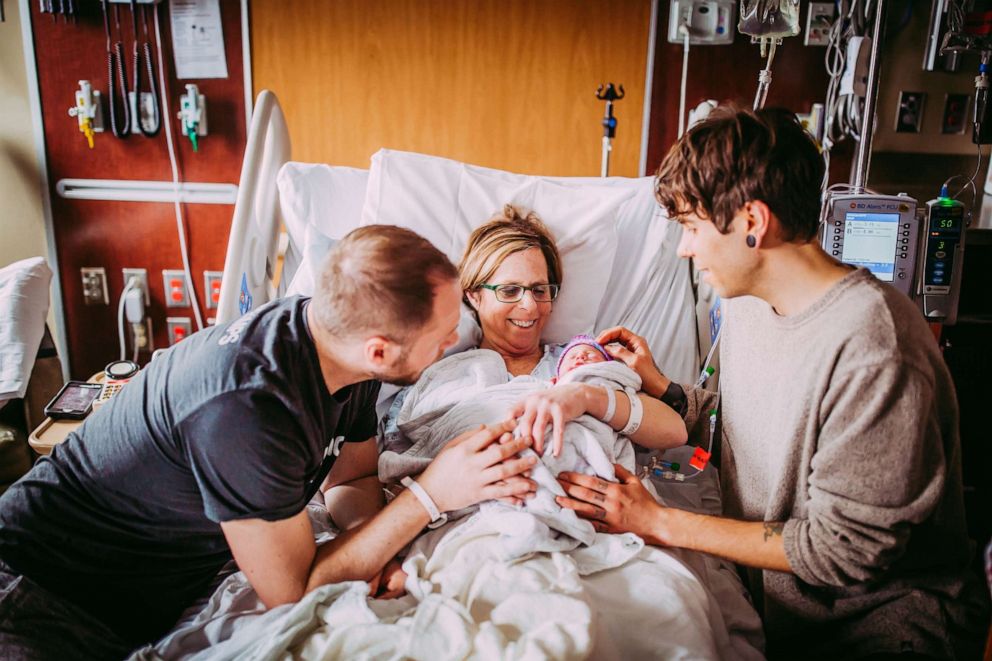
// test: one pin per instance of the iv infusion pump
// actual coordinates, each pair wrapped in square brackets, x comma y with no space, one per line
[920,257]
[878,232]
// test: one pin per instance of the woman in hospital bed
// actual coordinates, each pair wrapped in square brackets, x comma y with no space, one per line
[511,273]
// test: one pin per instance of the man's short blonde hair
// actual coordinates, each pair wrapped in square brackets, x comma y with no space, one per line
[511,231]
[380,278]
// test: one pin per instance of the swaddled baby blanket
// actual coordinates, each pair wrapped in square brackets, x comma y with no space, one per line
[472,388]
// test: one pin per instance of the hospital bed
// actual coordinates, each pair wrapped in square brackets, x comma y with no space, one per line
[620,267]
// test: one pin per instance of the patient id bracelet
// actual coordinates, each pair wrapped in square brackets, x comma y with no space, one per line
[636,413]
[611,404]
[438,518]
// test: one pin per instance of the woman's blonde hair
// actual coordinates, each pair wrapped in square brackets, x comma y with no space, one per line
[512,230]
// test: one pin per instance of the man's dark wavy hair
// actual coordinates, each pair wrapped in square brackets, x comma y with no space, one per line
[738,155]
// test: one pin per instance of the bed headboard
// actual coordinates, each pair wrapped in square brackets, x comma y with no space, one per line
[250,268]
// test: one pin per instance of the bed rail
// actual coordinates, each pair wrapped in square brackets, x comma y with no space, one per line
[250,268]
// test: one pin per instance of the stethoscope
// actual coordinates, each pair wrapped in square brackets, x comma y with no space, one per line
[117,89]
[146,49]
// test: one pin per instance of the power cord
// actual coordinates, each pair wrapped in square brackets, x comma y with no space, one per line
[180,227]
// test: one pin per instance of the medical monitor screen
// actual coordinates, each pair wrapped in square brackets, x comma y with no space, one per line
[870,241]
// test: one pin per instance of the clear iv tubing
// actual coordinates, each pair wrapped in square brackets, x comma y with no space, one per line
[765,79]
[175,176]
[684,30]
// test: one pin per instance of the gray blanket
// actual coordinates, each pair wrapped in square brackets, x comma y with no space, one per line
[473,388]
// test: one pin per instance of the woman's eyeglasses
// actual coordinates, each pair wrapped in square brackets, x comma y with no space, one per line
[513,293]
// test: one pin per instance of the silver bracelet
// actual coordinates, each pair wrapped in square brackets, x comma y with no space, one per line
[636,413]
[611,405]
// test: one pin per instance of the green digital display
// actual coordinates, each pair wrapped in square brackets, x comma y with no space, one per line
[946,224]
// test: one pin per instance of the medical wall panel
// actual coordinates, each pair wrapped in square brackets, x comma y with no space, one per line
[730,72]
[502,83]
[118,235]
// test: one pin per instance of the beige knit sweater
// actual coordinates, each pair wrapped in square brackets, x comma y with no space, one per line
[842,421]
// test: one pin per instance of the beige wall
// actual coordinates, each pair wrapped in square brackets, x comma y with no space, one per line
[502,83]
[22,226]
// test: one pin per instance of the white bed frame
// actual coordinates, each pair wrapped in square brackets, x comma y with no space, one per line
[253,246]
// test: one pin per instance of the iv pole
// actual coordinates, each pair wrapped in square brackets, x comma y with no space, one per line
[608,94]
[863,160]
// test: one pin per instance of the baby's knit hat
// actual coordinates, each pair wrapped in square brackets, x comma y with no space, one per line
[576,341]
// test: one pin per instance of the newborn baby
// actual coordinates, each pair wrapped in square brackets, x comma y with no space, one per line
[468,389]
[580,350]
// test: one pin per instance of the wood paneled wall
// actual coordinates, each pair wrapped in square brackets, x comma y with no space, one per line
[116,235]
[501,83]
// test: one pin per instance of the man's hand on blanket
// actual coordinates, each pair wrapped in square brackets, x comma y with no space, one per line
[390,583]
[610,506]
[633,351]
[481,464]
[555,406]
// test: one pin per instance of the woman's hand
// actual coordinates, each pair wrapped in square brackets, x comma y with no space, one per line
[390,583]
[554,406]
[635,353]
[615,507]
[481,464]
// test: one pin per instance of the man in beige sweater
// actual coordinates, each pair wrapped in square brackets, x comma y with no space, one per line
[841,463]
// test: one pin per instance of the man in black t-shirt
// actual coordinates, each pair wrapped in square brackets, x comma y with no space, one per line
[215,448]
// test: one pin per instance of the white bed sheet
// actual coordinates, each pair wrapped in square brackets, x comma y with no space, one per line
[653,605]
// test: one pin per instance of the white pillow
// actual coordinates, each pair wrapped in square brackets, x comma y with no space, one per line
[23,308]
[318,203]
[444,200]
[330,198]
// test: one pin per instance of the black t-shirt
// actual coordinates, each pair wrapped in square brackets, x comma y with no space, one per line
[235,422]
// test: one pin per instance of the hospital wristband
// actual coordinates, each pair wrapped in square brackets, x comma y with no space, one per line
[611,405]
[437,517]
[636,413]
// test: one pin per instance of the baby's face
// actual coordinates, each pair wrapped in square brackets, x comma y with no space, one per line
[580,354]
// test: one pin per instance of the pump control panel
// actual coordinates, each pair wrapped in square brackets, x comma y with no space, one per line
[943,248]
[877,232]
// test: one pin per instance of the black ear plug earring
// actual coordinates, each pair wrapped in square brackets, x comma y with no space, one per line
[751,241]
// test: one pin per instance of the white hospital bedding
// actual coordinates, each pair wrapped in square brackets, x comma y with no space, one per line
[471,598]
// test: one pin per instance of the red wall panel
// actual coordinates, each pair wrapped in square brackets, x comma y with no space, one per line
[118,235]
[730,72]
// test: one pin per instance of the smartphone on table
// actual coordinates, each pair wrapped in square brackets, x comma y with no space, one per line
[74,401]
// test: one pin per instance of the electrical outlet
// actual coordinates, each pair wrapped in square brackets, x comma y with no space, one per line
[94,285]
[142,276]
[211,285]
[909,114]
[176,291]
[955,113]
[179,329]
[143,337]
[819,20]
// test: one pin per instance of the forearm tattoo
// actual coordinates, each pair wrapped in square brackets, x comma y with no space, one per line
[773,530]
